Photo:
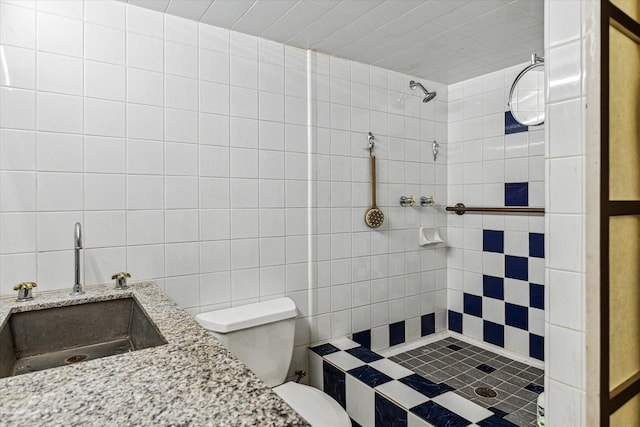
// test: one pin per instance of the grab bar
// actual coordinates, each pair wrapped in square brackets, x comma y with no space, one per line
[460,209]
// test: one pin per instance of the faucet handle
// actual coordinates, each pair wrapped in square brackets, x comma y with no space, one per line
[121,280]
[24,290]
[427,201]
[28,285]
[407,201]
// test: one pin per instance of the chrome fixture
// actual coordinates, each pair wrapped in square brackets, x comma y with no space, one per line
[407,201]
[411,201]
[429,95]
[435,149]
[427,201]
[526,97]
[121,280]
[536,62]
[77,239]
[372,144]
[24,290]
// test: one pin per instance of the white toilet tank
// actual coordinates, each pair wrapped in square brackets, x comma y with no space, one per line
[260,335]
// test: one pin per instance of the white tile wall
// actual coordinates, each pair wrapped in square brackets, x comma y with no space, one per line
[372,277]
[481,159]
[565,355]
[184,151]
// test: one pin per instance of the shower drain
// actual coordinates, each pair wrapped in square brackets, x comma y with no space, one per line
[486,392]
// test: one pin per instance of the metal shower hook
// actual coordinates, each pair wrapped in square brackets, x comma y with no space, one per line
[371,144]
[435,149]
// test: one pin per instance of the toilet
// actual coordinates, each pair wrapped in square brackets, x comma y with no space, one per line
[261,335]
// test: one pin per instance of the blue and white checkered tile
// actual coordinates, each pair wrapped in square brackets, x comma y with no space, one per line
[399,331]
[510,311]
[378,392]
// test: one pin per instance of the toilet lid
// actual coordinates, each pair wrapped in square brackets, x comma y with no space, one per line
[318,408]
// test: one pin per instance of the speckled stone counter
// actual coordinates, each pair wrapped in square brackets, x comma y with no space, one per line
[192,380]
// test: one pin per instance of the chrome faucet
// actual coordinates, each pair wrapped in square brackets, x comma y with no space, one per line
[77,287]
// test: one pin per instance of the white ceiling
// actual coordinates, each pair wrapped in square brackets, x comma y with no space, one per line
[440,40]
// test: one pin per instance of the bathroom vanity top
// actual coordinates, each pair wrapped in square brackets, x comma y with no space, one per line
[192,380]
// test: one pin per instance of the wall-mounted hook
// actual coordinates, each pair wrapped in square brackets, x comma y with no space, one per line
[407,201]
[435,149]
[427,201]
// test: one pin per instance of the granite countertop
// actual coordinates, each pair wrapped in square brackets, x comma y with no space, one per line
[192,380]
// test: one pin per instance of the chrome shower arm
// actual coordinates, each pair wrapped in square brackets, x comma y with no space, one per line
[413,84]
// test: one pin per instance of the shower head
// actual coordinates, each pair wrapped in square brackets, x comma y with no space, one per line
[428,95]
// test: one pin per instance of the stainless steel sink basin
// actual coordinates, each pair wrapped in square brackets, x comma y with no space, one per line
[42,339]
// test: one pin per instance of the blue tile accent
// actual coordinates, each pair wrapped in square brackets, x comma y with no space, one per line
[493,287]
[535,388]
[493,241]
[536,245]
[516,267]
[516,316]
[516,194]
[364,354]
[493,333]
[486,368]
[428,324]
[424,386]
[396,333]
[511,125]
[363,338]
[536,346]
[454,347]
[455,321]
[324,349]
[496,421]
[438,415]
[536,296]
[334,383]
[370,376]
[472,305]
[354,424]
[388,414]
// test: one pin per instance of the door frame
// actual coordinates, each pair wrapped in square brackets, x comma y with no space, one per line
[610,400]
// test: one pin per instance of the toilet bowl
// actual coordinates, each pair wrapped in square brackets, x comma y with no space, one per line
[318,408]
[262,335]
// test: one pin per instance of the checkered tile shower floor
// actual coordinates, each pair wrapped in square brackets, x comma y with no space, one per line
[465,367]
[432,385]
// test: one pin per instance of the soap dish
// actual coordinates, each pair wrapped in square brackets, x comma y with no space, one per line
[429,236]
